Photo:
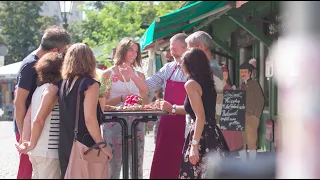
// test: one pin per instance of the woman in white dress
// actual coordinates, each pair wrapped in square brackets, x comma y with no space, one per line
[125,81]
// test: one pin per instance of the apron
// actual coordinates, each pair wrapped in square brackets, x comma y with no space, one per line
[170,137]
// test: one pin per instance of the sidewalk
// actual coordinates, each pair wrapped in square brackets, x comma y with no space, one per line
[148,155]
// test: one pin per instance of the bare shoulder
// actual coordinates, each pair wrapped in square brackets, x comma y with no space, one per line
[192,85]
[108,71]
[95,85]
[52,89]
[141,75]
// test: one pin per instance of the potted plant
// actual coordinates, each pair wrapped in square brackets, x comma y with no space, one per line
[105,85]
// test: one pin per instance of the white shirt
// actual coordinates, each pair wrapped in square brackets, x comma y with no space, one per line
[159,79]
[47,145]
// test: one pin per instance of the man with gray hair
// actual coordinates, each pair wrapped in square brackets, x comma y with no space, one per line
[55,39]
[171,130]
[203,41]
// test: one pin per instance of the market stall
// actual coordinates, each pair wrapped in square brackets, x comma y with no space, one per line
[8,76]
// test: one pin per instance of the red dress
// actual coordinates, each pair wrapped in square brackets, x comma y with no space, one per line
[233,138]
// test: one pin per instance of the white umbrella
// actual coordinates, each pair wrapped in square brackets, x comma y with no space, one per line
[10,71]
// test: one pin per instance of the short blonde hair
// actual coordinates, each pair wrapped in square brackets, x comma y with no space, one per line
[200,37]
[123,48]
[79,61]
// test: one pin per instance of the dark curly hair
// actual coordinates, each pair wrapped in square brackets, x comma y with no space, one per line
[48,68]
[196,64]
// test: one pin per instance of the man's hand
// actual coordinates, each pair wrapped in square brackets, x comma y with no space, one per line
[164,105]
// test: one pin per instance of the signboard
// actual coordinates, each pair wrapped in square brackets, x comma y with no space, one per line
[233,110]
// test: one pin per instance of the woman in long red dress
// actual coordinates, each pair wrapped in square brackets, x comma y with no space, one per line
[233,138]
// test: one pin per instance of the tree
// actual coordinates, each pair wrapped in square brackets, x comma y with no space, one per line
[98,5]
[76,31]
[46,22]
[20,26]
[116,20]
[165,7]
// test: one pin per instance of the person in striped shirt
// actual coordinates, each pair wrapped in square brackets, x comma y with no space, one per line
[203,41]
[42,143]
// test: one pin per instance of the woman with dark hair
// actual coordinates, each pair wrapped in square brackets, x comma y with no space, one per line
[204,136]
[125,81]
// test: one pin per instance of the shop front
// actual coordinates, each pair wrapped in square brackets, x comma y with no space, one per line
[8,76]
[242,31]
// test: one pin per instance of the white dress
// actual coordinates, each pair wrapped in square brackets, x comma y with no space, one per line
[112,131]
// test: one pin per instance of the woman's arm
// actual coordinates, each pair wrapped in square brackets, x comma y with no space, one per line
[26,133]
[143,92]
[112,101]
[91,97]
[48,101]
[167,107]
[194,92]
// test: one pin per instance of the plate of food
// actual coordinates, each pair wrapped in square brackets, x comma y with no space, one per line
[132,103]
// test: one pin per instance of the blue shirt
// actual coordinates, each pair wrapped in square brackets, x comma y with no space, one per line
[159,79]
[27,79]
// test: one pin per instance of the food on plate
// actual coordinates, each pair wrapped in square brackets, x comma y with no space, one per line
[131,108]
[133,100]
[109,108]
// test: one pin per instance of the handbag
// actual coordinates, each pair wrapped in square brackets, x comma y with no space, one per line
[85,162]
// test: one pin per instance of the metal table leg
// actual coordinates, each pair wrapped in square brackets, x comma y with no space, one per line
[134,149]
[125,150]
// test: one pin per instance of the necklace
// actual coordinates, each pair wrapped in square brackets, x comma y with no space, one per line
[125,82]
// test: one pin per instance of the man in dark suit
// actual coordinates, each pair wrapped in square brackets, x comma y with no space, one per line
[254,109]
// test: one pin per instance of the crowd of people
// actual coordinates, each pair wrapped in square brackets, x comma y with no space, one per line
[53,78]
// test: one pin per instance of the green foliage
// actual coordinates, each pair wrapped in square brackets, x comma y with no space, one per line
[106,23]
[105,84]
[22,26]
[165,7]
[76,32]
[2,40]
[115,20]
[46,22]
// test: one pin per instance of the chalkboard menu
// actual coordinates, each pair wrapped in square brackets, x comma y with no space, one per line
[233,110]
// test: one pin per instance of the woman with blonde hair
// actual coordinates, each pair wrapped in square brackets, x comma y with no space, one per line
[79,63]
[125,81]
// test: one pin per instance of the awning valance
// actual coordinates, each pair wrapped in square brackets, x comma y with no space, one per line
[182,19]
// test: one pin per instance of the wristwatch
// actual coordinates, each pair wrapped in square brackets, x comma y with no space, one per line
[194,142]
[173,111]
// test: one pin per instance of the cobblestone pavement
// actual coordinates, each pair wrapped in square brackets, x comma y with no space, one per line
[8,154]
[9,157]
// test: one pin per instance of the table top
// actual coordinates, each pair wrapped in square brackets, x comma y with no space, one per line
[135,113]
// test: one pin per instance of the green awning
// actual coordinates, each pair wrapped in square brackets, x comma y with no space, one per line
[182,19]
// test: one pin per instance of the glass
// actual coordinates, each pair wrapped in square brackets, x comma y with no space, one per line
[66,6]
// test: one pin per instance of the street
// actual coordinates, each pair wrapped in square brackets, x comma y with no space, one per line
[9,157]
